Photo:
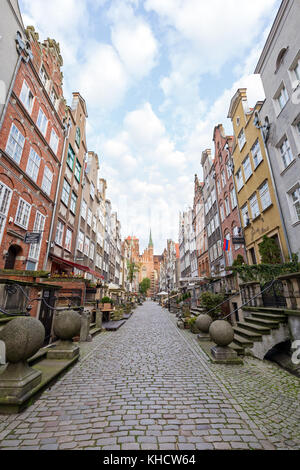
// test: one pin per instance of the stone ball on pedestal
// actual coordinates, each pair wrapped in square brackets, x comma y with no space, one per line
[203,323]
[67,325]
[221,332]
[23,337]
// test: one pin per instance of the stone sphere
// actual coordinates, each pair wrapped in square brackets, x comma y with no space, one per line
[67,325]
[23,337]
[203,323]
[221,333]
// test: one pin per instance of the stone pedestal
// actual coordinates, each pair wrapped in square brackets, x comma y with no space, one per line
[2,353]
[99,319]
[223,353]
[203,337]
[17,382]
[64,350]
[85,336]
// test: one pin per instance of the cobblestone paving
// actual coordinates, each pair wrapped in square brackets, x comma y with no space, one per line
[149,386]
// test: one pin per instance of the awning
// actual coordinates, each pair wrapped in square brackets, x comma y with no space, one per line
[85,269]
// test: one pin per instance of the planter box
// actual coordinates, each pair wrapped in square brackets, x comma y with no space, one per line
[106,307]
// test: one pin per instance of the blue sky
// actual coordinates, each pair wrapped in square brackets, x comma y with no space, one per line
[157,76]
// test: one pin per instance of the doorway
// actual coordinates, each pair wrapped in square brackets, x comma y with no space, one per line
[13,252]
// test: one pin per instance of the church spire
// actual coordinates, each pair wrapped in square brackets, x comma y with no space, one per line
[150,240]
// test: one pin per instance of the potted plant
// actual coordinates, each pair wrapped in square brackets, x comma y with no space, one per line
[106,304]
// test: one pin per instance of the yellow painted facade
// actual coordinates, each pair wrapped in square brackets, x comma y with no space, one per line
[255,192]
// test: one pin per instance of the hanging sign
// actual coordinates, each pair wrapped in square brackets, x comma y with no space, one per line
[239,241]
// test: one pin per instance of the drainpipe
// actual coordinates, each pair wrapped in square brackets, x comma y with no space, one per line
[265,140]
[56,199]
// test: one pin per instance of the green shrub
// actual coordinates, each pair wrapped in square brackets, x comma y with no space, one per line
[211,302]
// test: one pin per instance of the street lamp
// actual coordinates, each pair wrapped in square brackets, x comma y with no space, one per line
[169,305]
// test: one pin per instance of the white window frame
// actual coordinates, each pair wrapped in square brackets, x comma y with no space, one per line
[239,180]
[25,210]
[293,203]
[59,236]
[256,154]
[15,144]
[39,225]
[44,76]
[42,122]
[83,209]
[242,139]
[281,98]
[89,217]
[245,214]
[33,165]
[92,250]
[263,191]
[5,200]
[54,141]
[47,181]
[233,198]
[27,97]
[86,249]
[68,239]
[285,152]
[80,243]
[247,168]
[65,195]
[254,206]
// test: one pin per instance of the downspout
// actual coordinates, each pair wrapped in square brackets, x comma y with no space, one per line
[56,199]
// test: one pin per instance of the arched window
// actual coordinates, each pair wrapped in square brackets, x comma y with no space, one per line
[280,57]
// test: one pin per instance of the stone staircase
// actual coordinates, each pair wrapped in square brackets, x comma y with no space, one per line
[262,325]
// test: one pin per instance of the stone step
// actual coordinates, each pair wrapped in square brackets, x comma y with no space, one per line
[272,310]
[259,321]
[95,331]
[242,342]
[254,328]
[237,348]
[249,335]
[270,316]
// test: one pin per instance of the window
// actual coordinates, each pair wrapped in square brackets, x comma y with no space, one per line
[296,70]
[42,122]
[44,76]
[70,158]
[223,179]
[282,98]
[245,215]
[239,180]
[26,97]
[229,170]
[53,97]
[236,234]
[86,246]
[59,233]
[286,153]
[54,140]
[92,250]
[229,253]
[83,209]
[33,165]
[92,190]
[222,213]
[47,181]
[39,224]
[227,207]
[265,196]
[295,195]
[23,213]
[94,224]
[256,154]
[66,193]
[80,243]
[78,137]
[15,144]
[68,240]
[219,186]
[242,139]
[254,206]
[77,172]
[73,203]
[5,197]
[89,218]
[247,168]
[233,198]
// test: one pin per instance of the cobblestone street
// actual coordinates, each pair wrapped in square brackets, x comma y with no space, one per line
[150,386]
